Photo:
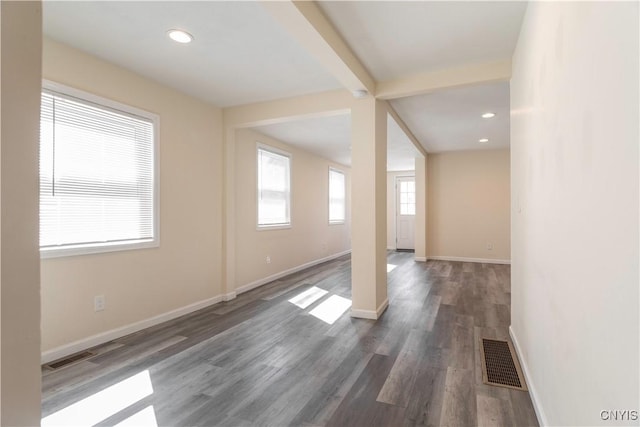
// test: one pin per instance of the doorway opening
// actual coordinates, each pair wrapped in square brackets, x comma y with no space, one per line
[405,213]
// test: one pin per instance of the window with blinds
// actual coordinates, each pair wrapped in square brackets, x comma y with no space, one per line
[274,188]
[337,197]
[97,176]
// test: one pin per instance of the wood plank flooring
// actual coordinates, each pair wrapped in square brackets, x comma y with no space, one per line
[261,360]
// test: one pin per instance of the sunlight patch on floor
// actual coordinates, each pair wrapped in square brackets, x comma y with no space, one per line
[308,297]
[144,418]
[391,267]
[105,403]
[330,310]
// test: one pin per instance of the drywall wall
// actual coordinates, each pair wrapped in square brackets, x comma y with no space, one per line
[310,237]
[186,268]
[468,205]
[391,205]
[420,162]
[574,164]
[21,41]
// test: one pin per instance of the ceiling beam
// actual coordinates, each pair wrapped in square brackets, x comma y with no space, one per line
[406,129]
[311,28]
[443,79]
[288,109]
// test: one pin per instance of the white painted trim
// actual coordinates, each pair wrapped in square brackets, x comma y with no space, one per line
[391,248]
[382,308]
[364,314]
[103,337]
[229,296]
[278,152]
[344,181]
[82,96]
[370,314]
[464,259]
[420,259]
[535,399]
[276,276]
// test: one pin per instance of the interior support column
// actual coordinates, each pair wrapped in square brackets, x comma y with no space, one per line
[369,208]
[421,208]
[20,83]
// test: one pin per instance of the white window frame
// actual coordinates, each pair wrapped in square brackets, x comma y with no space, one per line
[96,248]
[284,226]
[336,222]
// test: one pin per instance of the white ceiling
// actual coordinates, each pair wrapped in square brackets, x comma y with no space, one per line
[400,150]
[330,137]
[242,55]
[239,55]
[451,119]
[395,39]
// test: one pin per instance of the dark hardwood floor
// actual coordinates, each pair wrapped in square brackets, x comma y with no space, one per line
[262,360]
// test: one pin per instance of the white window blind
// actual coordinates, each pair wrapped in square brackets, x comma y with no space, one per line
[96,176]
[274,188]
[337,191]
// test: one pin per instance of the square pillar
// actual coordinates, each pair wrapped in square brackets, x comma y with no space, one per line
[369,208]
[20,83]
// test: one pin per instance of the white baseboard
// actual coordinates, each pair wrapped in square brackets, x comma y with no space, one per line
[391,248]
[263,281]
[103,337]
[535,399]
[382,308]
[464,259]
[421,259]
[370,314]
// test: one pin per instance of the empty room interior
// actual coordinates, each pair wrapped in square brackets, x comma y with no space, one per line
[310,213]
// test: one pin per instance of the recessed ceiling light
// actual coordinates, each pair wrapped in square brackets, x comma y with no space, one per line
[483,140]
[180,36]
[488,115]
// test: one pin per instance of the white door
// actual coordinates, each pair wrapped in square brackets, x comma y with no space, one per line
[405,212]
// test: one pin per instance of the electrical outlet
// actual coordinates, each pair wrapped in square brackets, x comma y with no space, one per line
[268,259]
[489,246]
[98,303]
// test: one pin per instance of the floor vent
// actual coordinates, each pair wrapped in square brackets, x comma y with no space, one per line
[60,363]
[500,365]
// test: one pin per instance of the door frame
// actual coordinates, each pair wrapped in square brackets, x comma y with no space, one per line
[396,194]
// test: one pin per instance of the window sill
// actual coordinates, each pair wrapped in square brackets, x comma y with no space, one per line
[273,227]
[97,248]
[336,222]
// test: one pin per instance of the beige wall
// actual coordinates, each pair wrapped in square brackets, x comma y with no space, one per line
[309,239]
[420,162]
[186,268]
[468,204]
[391,205]
[574,163]
[21,41]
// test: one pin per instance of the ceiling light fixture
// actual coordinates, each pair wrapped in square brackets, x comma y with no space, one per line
[483,140]
[360,93]
[488,115]
[180,36]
